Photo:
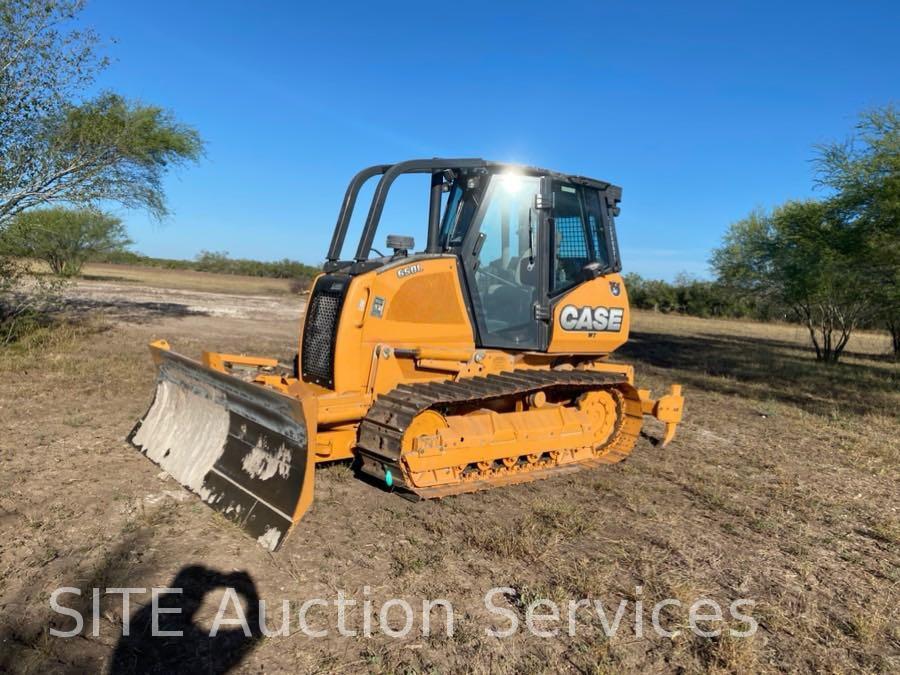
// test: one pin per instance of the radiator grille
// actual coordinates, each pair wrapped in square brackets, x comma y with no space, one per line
[320,330]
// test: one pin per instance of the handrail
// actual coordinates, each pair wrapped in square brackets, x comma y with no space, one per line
[384,185]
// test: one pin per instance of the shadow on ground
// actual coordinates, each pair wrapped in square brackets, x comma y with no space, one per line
[773,369]
[129,310]
[26,643]
[105,277]
[144,650]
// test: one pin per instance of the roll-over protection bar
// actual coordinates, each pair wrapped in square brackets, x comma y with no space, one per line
[389,173]
[343,221]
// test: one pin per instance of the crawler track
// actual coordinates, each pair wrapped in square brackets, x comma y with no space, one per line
[381,432]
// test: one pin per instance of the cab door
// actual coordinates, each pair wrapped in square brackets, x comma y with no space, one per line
[504,271]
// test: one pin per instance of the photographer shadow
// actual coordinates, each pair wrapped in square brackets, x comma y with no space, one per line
[195,650]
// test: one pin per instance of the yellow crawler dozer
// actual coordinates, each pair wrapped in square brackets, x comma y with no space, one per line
[481,361]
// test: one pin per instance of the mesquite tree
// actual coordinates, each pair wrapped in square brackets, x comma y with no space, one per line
[63,238]
[56,145]
[802,257]
[864,174]
[61,145]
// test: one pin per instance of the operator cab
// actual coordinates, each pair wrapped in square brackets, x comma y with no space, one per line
[523,236]
[501,224]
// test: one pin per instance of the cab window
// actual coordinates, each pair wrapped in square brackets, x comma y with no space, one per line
[578,234]
[599,248]
[506,272]
[451,216]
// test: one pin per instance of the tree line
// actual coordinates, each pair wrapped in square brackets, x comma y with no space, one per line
[696,297]
[65,239]
[831,264]
[219,262]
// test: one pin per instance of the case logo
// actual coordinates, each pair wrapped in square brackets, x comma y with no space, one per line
[591,319]
[615,288]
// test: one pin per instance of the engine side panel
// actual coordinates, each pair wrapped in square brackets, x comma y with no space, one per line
[413,302]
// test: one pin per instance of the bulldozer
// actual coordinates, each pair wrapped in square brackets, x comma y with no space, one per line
[481,361]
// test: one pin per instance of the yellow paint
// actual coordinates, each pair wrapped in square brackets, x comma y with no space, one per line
[595,293]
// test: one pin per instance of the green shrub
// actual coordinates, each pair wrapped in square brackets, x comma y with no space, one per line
[63,238]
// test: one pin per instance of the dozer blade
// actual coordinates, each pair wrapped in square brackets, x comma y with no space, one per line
[242,448]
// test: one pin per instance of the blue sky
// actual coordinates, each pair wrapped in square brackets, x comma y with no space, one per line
[699,110]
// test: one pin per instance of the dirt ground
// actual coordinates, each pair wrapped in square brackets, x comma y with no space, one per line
[780,488]
[157,277]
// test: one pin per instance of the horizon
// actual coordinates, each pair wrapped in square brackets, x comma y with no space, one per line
[700,113]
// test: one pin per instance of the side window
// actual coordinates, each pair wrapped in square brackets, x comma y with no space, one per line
[451,213]
[595,226]
[570,241]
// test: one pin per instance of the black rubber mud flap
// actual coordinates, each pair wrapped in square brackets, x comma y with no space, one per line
[242,448]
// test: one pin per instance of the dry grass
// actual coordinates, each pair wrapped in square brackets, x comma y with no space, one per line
[781,487]
[186,279]
[768,363]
